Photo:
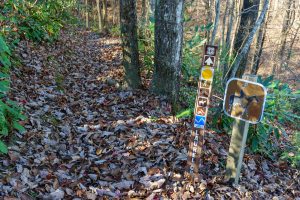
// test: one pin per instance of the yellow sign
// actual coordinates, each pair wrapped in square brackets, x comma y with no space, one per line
[207,73]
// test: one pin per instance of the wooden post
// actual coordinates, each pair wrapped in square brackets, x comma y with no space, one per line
[195,151]
[201,110]
[237,144]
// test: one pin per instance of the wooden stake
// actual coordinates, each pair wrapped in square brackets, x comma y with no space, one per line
[195,151]
[237,145]
[201,111]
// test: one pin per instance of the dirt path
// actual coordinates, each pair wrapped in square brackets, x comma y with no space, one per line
[87,138]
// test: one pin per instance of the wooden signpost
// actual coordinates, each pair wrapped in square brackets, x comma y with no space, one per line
[200,112]
[244,100]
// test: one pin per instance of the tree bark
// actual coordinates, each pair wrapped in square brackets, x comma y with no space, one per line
[144,15]
[208,17]
[237,63]
[168,49]
[104,11]
[86,14]
[128,25]
[291,46]
[228,36]
[248,18]
[259,44]
[100,24]
[224,23]
[286,26]
[217,10]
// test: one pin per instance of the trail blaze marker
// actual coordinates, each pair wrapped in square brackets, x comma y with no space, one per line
[209,60]
[244,100]
[201,110]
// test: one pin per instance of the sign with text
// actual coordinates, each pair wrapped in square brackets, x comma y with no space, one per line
[244,100]
[201,109]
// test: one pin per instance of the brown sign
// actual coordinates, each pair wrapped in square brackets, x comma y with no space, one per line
[244,100]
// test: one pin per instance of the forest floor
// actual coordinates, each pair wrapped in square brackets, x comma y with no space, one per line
[87,138]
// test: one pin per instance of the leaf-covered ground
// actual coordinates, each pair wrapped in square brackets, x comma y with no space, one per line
[88,138]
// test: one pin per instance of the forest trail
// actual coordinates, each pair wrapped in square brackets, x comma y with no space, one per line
[87,137]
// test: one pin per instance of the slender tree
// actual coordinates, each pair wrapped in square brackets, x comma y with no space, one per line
[237,63]
[86,14]
[100,22]
[228,35]
[216,23]
[128,20]
[248,18]
[104,13]
[168,49]
[260,39]
[286,27]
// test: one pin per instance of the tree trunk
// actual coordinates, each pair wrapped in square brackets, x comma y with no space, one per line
[224,23]
[168,49]
[286,26]
[152,6]
[259,44]
[104,11]
[144,15]
[217,10]
[115,3]
[86,14]
[228,36]
[128,25]
[291,46]
[237,63]
[248,18]
[208,17]
[100,24]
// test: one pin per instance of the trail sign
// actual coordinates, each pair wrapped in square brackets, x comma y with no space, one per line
[201,110]
[244,100]
[210,50]
[209,61]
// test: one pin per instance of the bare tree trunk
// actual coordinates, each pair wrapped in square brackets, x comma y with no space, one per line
[86,14]
[128,24]
[245,49]
[286,26]
[104,11]
[100,24]
[259,44]
[248,18]
[208,17]
[228,36]
[168,49]
[114,11]
[291,46]
[144,17]
[224,23]
[217,18]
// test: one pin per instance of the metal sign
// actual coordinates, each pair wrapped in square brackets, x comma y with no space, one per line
[201,109]
[244,100]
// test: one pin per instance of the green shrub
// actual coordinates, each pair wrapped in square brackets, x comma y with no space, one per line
[278,114]
[21,19]
[292,152]
[10,112]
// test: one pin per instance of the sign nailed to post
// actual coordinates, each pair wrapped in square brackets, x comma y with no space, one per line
[245,100]
[201,109]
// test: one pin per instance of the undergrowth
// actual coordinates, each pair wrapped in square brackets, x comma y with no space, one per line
[36,21]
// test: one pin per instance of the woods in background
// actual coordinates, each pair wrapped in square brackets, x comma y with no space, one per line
[240,28]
